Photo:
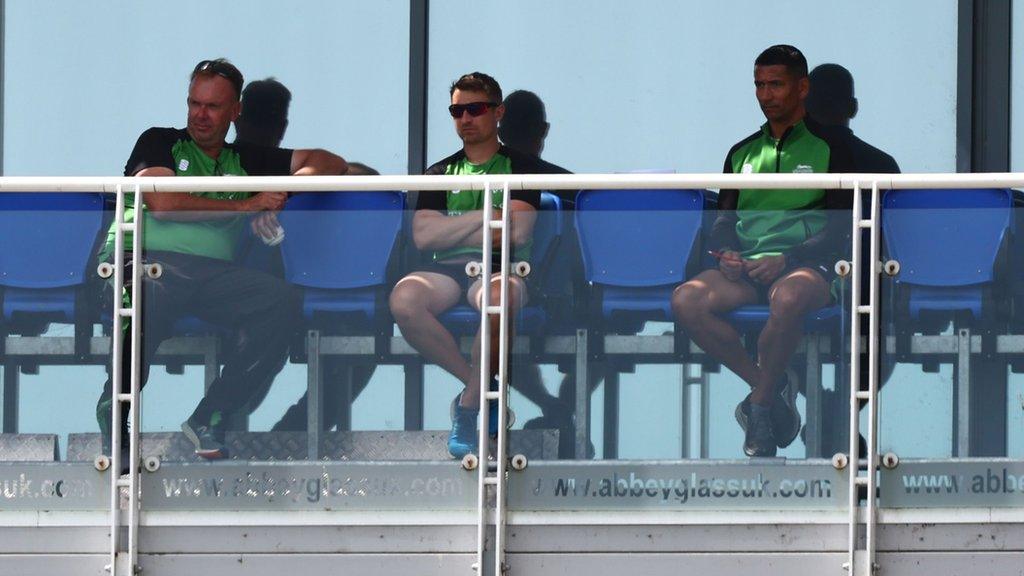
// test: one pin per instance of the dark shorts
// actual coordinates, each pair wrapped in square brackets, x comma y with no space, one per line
[828,275]
[456,272]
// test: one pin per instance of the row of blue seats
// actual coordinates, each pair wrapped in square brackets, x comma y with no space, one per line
[636,246]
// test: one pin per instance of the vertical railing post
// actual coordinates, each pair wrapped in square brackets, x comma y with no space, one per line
[485,369]
[128,558]
[503,351]
[869,461]
[854,424]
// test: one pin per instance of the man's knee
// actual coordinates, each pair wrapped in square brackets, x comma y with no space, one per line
[406,304]
[689,302]
[788,303]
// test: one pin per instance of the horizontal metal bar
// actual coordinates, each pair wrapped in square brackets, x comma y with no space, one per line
[124,397]
[491,480]
[516,182]
[863,395]
[496,224]
[126,313]
[494,309]
[866,223]
[492,395]
[348,345]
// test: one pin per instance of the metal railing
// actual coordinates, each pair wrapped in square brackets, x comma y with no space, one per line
[859,561]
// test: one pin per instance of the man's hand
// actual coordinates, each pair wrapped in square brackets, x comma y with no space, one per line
[265,225]
[265,201]
[766,269]
[732,265]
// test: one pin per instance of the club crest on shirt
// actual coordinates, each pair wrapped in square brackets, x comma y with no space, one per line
[748,168]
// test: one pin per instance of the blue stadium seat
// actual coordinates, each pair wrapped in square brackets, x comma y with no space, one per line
[337,247]
[948,243]
[548,230]
[636,245]
[47,242]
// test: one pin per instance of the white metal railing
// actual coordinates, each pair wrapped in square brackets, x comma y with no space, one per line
[515,182]
[125,561]
[122,560]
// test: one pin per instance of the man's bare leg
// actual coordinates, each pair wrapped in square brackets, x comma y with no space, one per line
[790,299]
[416,302]
[696,305]
[517,298]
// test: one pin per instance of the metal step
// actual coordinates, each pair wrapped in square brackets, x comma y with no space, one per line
[29,448]
[354,446]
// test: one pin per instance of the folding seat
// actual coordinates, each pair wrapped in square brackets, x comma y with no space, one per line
[955,269]
[338,248]
[47,256]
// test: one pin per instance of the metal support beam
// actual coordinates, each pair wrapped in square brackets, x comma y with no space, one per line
[611,414]
[962,386]
[314,394]
[419,44]
[991,86]
[414,394]
[582,395]
[10,398]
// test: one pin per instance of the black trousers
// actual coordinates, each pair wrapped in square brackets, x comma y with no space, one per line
[262,311]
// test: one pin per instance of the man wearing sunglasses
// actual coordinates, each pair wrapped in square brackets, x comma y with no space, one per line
[448,227]
[194,237]
[777,247]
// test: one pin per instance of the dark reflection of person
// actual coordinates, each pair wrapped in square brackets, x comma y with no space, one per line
[525,127]
[831,102]
[264,116]
[264,121]
[194,236]
[774,246]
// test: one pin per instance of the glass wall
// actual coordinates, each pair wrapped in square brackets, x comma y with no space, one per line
[79,90]
[82,82]
[657,87]
[669,86]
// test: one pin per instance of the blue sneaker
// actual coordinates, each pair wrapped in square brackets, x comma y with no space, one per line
[492,410]
[462,439]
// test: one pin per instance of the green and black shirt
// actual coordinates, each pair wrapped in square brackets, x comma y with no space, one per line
[807,226]
[174,148]
[455,202]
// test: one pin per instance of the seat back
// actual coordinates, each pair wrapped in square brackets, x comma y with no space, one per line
[637,238]
[340,240]
[945,238]
[548,235]
[47,239]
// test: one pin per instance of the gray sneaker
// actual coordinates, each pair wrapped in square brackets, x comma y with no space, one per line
[785,417]
[760,438]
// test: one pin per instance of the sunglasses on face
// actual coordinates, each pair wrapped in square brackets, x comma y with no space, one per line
[474,108]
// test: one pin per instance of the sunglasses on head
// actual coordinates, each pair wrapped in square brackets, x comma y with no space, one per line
[222,69]
[474,108]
